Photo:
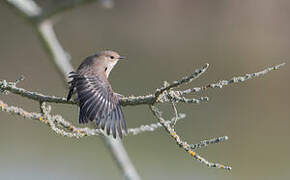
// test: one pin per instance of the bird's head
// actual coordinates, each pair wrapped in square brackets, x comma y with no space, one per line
[110,56]
[108,59]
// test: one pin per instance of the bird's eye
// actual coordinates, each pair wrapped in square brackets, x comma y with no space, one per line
[112,57]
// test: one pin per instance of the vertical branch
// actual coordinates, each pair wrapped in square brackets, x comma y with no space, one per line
[62,61]
[27,7]
[60,57]
[121,157]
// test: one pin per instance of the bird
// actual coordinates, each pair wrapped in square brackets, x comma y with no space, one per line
[94,94]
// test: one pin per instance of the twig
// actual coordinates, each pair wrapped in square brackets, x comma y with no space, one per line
[154,126]
[174,119]
[222,83]
[183,144]
[186,79]
[208,142]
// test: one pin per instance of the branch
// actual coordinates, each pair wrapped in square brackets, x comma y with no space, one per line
[64,128]
[65,5]
[36,14]
[141,100]
[183,144]
[154,126]
[208,142]
[187,79]
[11,87]
[165,94]
[60,58]
[222,83]
[27,7]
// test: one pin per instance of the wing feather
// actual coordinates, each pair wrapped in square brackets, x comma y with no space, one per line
[98,102]
[114,124]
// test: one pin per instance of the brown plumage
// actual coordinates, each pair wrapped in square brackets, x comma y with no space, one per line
[95,95]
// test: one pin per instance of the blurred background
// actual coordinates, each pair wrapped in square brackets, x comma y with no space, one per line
[162,40]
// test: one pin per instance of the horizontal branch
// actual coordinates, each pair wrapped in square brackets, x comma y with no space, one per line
[139,100]
[64,128]
[11,87]
[165,94]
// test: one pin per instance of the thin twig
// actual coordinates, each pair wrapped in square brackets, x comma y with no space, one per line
[152,127]
[174,119]
[208,142]
[183,144]
[222,83]
[186,79]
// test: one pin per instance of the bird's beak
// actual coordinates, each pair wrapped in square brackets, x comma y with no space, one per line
[121,57]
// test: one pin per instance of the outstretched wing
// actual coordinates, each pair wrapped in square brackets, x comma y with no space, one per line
[97,101]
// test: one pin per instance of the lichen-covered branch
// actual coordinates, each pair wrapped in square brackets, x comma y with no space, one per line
[208,142]
[186,79]
[165,94]
[222,83]
[152,127]
[12,88]
[183,144]
[64,128]
[172,95]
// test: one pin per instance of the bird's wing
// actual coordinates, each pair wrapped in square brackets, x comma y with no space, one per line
[97,102]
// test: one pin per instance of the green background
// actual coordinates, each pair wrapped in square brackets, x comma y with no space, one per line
[162,40]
